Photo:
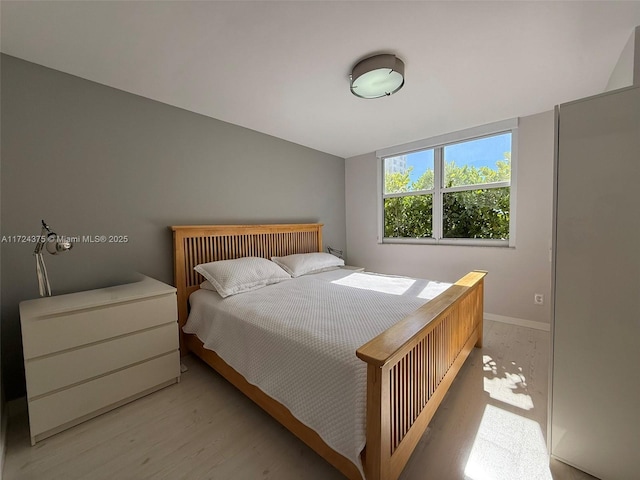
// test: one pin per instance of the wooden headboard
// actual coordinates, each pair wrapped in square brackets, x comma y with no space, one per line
[195,244]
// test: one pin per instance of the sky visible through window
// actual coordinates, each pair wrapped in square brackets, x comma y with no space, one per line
[477,153]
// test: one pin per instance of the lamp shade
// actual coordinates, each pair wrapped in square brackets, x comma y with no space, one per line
[377,76]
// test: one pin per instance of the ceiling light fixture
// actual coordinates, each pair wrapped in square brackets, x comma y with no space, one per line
[377,76]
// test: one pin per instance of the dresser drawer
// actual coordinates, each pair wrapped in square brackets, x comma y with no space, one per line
[43,335]
[45,374]
[52,411]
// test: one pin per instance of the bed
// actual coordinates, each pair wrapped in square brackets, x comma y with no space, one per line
[409,366]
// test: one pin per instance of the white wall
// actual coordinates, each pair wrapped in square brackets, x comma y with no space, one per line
[515,274]
[623,73]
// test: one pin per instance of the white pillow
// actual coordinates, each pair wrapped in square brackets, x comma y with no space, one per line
[306,263]
[206,285]
[241,275]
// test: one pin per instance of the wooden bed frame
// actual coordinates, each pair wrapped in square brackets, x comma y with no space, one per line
[410,366]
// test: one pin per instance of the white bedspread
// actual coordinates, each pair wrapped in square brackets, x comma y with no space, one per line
[296,341]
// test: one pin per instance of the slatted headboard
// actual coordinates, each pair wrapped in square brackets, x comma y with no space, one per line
[195,244]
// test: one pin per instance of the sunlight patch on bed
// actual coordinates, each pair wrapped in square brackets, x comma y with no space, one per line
[508,446]
[377,283]
[503,388]
[433,289]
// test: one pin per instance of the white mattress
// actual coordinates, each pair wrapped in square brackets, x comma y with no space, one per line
[297,341]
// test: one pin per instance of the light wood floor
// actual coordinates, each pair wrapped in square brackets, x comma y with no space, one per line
[202,428]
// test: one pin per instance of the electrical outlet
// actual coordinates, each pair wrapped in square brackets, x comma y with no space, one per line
[538,299]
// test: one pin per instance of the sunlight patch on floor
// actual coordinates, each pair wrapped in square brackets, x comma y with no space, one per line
[503,388]
[508,446]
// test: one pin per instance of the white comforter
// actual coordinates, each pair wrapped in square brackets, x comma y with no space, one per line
[296,341]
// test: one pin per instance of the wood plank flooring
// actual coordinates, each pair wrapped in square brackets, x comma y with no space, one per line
[491,426]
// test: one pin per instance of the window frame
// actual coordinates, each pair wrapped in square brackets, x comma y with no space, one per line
[437,144]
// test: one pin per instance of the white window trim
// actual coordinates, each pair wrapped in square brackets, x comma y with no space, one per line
[495,128]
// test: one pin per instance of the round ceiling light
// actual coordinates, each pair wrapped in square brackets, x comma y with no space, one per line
[377,76]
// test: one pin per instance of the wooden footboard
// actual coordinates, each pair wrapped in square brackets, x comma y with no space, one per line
[410,368]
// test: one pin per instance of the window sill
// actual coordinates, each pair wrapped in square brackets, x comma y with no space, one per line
[460,242]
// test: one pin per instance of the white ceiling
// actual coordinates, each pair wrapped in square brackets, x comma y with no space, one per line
[282,67]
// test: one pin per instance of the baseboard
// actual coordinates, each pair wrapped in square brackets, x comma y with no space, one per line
[521,322]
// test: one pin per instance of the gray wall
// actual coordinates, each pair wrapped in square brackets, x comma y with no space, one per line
[93,160]
[515,274]
[3,410]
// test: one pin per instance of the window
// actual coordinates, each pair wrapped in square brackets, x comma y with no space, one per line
[455,190]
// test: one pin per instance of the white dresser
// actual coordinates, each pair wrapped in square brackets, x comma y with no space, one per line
[89,352]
